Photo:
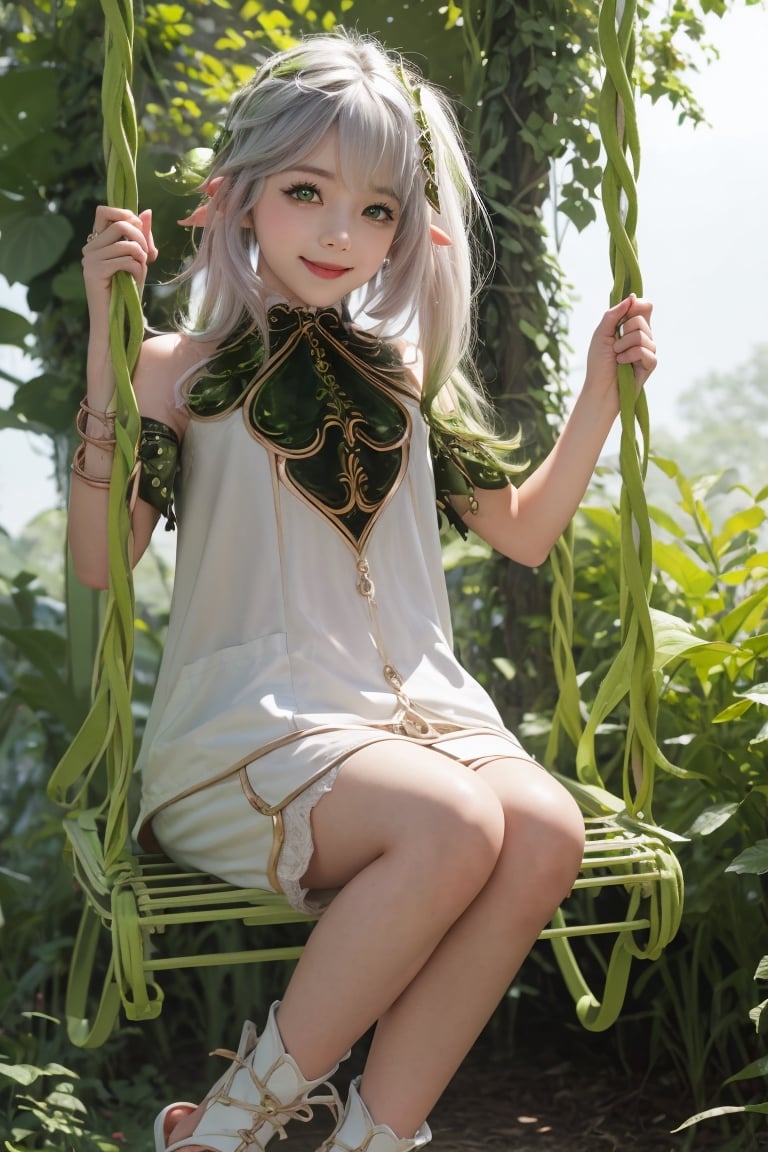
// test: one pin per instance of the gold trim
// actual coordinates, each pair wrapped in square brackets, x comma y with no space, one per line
[278,830]
[278,840]
[444,731]
[385,381]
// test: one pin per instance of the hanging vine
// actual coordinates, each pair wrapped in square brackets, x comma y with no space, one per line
[108,730]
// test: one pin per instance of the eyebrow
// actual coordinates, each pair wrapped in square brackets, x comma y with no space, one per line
[324,174]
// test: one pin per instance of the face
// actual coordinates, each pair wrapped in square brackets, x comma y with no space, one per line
[320,239]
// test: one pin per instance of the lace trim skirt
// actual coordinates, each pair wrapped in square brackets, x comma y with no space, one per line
[219,830]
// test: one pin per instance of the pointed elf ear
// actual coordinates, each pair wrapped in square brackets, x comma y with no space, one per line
[200,214]
[439,236]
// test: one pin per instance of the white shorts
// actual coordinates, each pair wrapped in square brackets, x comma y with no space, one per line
[218,830]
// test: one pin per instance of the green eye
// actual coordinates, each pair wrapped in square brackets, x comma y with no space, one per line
[304,193]
[379,212]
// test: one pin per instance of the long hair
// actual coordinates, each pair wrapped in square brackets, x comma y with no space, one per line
[348,82]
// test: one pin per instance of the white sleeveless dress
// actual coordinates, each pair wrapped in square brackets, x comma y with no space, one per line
[287,651]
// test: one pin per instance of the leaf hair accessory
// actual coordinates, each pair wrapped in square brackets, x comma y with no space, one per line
[425,139]
[221,141]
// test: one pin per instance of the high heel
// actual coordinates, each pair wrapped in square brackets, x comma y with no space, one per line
[356,1131]
[262,1090]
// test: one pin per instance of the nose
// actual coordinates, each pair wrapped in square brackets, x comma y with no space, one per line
[336,235]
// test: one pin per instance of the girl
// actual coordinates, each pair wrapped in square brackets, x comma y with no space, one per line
[312,730]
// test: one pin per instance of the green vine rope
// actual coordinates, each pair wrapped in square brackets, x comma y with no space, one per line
[107,732]
[631,676]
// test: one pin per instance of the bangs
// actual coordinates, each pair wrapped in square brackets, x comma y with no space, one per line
[287,113]
[375,146]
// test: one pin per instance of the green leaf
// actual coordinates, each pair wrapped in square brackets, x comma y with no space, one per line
[674,638]
[18,422]
[457,552]
[744,521]
[67,1101]
[188,173]
[761,736]
[27,1074]
[725,1110]
[14,327]
[540,339]
[22,1073]
[746,616]
[665,521]
[29,103]
[45,403]
[32,246]
[758,1015]
[712,818]
[757,693]
[752,861]
[756,1068]
[68,284]
[668,467]
[678,565]
[732,712]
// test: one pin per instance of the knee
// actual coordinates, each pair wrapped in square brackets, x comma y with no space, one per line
[564,829]
[462,837]
[550,836]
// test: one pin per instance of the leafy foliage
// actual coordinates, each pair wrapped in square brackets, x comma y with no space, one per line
[712,724]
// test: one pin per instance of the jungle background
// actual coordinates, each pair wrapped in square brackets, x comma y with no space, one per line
[527,75]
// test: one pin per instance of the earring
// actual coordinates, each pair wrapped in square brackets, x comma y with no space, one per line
[385,263]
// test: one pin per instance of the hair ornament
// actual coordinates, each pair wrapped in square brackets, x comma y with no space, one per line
[221,141]
[425,139]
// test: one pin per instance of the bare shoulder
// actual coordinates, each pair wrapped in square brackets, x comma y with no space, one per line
[163,363]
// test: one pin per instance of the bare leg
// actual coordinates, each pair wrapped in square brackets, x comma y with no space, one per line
[423,1038]
[411,838]
[387,954]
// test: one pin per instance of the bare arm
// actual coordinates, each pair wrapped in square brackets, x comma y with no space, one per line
[123,242]
[524,523]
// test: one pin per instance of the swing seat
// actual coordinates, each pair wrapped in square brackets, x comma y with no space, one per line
[122,945]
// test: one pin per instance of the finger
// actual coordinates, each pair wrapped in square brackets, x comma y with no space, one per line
[111,224]
[99,243]
[643,355]
[103,257]
[627,310]
[102,277]
[635,323]
[638,313]
[106,214]
[146,224]
[633,347]
[633,333]
[615,316]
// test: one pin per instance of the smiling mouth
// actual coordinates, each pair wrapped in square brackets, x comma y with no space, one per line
[324,271]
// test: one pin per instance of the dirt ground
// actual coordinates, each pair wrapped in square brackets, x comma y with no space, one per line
[532,1104]
[537,1082]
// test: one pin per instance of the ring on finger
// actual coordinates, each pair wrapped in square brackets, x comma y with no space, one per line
[91,236]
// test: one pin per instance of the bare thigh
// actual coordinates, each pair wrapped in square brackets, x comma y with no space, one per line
[400,794]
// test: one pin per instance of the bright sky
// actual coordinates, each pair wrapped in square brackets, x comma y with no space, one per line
[701,231]
[702,247]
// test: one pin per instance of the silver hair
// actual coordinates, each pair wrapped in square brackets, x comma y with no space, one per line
[349,82]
